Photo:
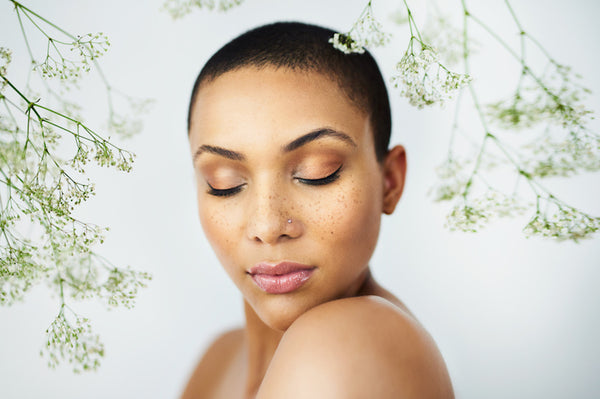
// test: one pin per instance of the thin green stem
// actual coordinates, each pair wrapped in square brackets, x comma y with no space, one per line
[17,4]
[526,68]
[476,103]
[24,35]
[411,23]
[454,124]
[15,89]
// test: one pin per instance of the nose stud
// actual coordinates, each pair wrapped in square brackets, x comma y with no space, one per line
[289,220]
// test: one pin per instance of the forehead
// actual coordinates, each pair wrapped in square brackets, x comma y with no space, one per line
[250,106]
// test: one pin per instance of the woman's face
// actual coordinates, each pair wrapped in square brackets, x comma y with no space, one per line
[289,188]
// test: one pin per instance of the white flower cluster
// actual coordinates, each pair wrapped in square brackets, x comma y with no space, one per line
[424,80]
[555,98]
[470,217]
[87,47]
[75,344]
[181,8]
[578,151]
[453,180]
[565,224]
[5,58]
[19,270]
[90,46]
[366,32]
[122,285]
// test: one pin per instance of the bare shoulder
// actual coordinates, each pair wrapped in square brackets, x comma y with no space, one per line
[356,347]
[213,364]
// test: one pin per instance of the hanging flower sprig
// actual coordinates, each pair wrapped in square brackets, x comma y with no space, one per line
[45,150]
[366,32]
[421,76]
[566,146]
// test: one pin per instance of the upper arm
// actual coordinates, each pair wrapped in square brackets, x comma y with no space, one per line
[356,347]
[213,363]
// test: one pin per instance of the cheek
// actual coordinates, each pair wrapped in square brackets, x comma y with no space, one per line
[219,228]
[348,222]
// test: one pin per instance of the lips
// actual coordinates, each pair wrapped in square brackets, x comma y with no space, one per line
[280,278]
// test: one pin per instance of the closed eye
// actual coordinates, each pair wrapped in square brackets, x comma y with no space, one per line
[320,182]
[224,192]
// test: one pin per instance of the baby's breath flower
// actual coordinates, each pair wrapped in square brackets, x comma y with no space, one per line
[19,269]
[180,8]
[56,65]
[366,32]
[122,286]
[5,58]
[76,344]
[453,180]
[90,46]
[475,214]
[555,99]
[39,192]
[466,218]
[346,44]
[578,151]
[566,223]
[424,80]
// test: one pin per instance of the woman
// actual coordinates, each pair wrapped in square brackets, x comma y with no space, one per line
[289,139]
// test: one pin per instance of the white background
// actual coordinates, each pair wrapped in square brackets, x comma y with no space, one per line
[513,317]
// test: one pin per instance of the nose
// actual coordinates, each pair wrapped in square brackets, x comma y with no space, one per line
[270,218]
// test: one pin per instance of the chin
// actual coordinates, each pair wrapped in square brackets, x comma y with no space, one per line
[279,312]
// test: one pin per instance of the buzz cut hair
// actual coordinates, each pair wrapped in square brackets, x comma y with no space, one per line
[305,47]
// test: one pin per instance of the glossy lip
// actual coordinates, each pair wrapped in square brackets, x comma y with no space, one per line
[280,278]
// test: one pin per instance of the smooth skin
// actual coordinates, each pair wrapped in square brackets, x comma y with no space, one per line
[271,145]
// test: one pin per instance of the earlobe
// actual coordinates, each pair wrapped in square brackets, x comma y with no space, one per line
[394,173]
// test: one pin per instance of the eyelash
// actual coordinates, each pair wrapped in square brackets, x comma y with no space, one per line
[311,182]
[226,192]
[321,182]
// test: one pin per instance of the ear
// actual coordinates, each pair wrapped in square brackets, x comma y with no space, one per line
[394,174]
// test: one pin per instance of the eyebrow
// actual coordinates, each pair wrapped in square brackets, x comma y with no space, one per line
[229,154]
[293,145]
[317,134]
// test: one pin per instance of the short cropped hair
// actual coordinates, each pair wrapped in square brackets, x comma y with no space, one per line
[306,47]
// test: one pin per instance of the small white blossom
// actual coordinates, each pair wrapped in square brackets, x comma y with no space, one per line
[475,214]
[424,80]
[56,65]
[453,180]
[555,98]
[19,268]
[565,224]
[575,152]
[5,58]
[366,32]
[122,285]
[40,238]
[76,344]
